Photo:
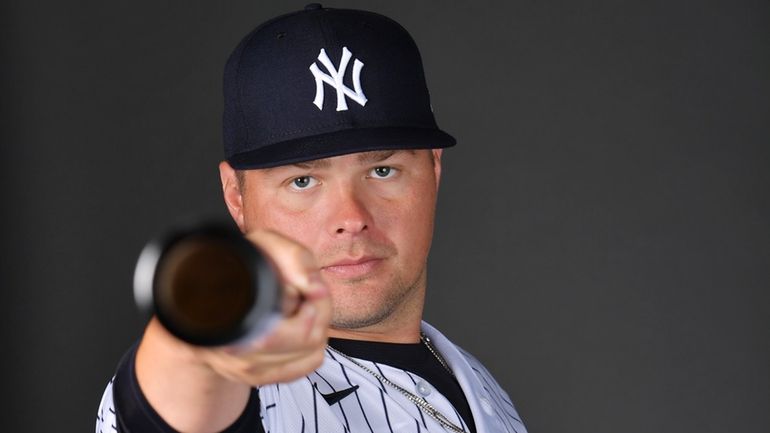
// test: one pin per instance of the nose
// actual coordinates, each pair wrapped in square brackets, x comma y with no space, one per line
[349,213]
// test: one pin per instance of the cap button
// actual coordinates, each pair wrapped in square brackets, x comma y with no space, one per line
[313,6]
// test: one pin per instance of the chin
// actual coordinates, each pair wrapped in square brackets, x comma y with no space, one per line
[357,317]
[353,324]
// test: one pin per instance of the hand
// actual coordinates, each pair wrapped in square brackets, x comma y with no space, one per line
[296,345]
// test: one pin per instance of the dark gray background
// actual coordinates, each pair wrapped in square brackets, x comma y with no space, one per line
[603,238]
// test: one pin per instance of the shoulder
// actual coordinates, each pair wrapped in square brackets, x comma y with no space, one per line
[478,368]
[449,348]
[105,415]
[490,403]
[468,369]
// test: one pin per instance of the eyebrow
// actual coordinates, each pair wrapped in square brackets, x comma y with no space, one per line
[375,156]
[316,163]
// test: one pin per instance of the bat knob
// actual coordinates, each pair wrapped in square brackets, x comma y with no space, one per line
[207,285]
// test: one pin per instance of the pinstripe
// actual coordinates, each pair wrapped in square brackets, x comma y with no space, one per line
[497,414]
[382,385]
[462,421]
[342,409]
[315,407]
[385,409]
[486,377]
[361,406]
[422,417]
[496,396]
[383,375]
[290,411]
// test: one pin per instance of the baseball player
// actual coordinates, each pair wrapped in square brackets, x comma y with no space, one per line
[333,162]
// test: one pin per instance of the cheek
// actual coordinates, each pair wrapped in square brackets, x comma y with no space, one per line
[270,212]
[412,225]
[302,227]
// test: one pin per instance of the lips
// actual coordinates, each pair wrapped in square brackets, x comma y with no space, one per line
[353,267]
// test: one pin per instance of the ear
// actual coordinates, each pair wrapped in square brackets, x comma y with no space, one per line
[231,190]
[437,165]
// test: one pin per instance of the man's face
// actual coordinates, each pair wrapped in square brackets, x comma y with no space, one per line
[367,218]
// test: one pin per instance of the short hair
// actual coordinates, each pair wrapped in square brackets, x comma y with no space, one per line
[240,176]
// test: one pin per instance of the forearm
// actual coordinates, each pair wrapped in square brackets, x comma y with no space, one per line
[175,385]
[183,390]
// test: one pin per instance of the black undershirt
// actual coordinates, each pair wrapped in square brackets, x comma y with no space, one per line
[134,413]
[415,358]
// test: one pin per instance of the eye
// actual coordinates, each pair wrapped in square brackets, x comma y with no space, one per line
[303,182]
[383,172]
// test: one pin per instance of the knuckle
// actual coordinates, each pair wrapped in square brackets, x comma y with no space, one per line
[295,251]
[245,368]
[317,358]
[317,337]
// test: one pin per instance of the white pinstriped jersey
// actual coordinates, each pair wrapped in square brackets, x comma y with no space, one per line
[372,407]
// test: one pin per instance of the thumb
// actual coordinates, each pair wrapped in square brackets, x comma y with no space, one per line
[297,267]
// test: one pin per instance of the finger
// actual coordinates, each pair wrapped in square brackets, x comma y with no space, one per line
[267,368]
[323,317]
[290,302]
[295,264]
[304,330]
[286,371]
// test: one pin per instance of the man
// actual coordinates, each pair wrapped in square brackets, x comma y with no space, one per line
[333,162]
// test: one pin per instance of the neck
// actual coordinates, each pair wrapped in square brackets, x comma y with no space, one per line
[406,334]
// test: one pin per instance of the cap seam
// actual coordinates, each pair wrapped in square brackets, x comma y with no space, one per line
[240,87]
[246,43]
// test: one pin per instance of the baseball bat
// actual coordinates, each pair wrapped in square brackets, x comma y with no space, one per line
[207,285]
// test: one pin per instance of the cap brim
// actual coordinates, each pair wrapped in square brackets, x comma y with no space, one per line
[340,143]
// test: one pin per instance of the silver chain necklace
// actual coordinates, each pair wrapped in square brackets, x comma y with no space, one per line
[426,341]
[420,402]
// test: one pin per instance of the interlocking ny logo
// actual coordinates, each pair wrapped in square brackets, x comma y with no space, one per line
[334,79]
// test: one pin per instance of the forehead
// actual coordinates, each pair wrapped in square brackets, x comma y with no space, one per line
[358,157]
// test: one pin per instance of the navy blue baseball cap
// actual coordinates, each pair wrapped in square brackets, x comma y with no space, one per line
[324,82]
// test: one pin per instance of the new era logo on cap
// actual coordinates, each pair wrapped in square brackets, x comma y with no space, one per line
[279,79]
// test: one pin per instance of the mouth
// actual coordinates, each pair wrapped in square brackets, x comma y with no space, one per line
[353,268]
